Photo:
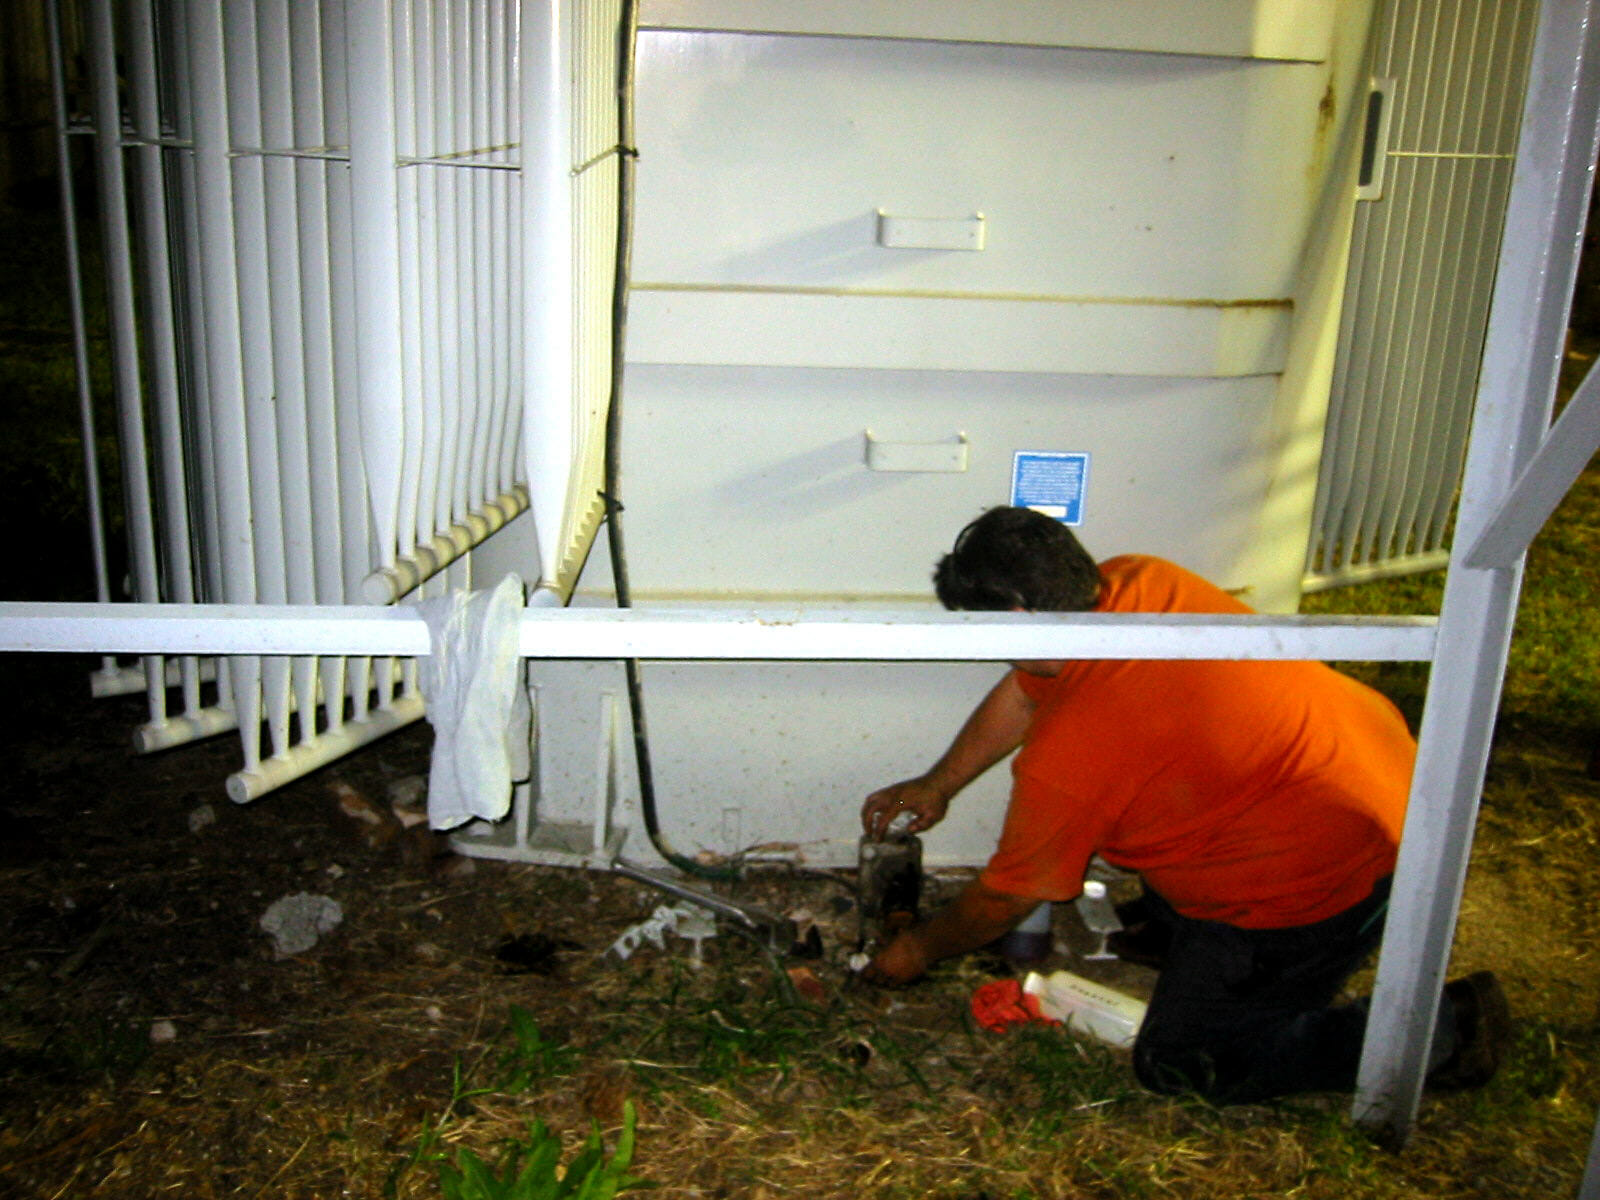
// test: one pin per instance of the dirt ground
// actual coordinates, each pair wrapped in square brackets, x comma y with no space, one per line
[153,1041]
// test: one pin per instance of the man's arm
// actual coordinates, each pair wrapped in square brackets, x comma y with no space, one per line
[975,918]
[995,728]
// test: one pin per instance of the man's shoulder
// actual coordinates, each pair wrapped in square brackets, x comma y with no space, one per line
[1146,583]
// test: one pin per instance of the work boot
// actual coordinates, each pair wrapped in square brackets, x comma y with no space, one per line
[1482,1033]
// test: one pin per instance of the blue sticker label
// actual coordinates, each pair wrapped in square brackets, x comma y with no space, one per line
[1051,482]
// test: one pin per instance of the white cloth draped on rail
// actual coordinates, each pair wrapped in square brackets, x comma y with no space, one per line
[472,683]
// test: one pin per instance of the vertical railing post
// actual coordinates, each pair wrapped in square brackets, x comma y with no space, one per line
[1516,390]
[218,298]
[375,262]
[161,330]
[547,271]
[124,327]
[80,334]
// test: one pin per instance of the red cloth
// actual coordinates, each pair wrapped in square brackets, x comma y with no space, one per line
[1001,1004]
[1262,794]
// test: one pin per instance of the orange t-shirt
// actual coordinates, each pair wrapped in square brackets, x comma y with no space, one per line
[1262,794]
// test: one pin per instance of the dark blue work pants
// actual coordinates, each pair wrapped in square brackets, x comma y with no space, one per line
[1241,1015]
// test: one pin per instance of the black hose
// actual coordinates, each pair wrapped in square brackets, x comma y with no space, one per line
[627,155]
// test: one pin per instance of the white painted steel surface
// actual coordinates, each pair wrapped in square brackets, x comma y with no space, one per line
[765,161]
[1157,229]
[1290,29]
[1422,267]
[755,484]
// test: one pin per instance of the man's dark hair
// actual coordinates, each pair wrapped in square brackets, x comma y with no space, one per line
[1017,558]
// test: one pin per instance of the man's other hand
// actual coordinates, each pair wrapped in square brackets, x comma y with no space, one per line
[925,803]
[902,961]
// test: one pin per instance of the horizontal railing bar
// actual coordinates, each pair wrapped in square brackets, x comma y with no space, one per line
[468,164]
[317,153]
[745,634]
[161,143]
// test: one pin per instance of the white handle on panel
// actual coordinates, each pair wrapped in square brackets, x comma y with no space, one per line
[948,457]
[930,233]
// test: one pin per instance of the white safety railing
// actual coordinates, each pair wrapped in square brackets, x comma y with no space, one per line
[342,286]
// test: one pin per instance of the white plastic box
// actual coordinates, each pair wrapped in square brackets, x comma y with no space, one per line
[1084,1006]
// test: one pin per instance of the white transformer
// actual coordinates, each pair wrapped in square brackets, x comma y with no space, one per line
[894,264]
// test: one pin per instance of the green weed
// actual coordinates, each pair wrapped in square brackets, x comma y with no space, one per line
[531,1170]
[531,1056]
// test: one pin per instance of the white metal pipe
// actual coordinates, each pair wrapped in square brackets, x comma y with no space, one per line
[125,681]
[253,305]
[786,634]
[355,536]
[433,507]
[284,304]
[80,337]
[118,253]
[462,264]
[498,184]
[200,452]
[479,182]
[547,272]
[161,326]
[376,264]
[316,317]
[374,185]
[412,523]
[388,584]
[218,312]
[274,772]
[193,726]
[445,296]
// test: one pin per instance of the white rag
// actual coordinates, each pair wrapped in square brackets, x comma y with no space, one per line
[472,684]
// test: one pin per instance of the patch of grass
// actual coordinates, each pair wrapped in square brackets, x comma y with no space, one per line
[743,1029]
[1073,1072]
[531,1056]
[530,1168]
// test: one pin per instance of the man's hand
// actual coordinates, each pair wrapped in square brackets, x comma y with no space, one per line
[902,961]
[976,917]
[925,802]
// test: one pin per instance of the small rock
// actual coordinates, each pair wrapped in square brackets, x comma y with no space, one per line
[296,922]
[201,816]
[434,1013]
[163,1031]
